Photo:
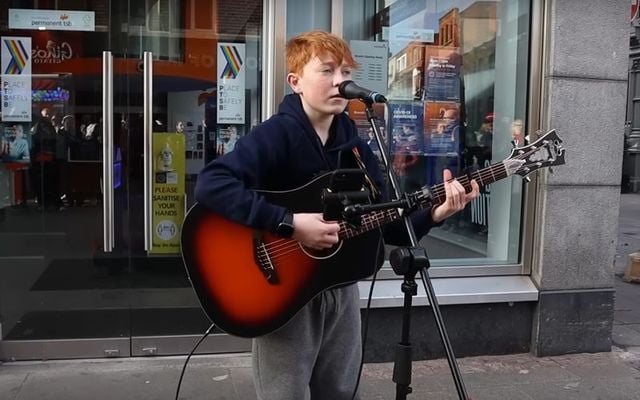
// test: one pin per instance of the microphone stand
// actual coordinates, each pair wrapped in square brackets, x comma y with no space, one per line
[407,262]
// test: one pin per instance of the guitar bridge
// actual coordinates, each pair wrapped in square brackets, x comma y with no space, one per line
[263,259]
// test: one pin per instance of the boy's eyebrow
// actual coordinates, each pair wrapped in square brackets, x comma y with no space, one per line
[330,63]
[333,63]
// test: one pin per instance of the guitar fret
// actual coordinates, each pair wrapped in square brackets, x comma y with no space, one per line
[479,177]
[369,222]
[376,219]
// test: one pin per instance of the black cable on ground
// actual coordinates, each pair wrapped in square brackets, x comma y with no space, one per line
[365,320]
[184,367]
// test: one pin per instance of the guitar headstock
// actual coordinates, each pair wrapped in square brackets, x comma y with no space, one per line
[547,151]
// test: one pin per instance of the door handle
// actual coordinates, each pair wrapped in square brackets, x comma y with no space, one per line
[148,146]
[107,152]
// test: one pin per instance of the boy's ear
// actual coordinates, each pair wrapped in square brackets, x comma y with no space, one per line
[292,80]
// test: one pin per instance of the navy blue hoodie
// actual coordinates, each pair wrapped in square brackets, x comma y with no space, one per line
[284,153]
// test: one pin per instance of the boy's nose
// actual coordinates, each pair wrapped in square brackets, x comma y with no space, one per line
[338,78]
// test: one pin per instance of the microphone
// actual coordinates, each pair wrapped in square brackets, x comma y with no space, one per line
[349,90]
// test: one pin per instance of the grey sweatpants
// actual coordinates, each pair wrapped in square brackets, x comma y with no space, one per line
[319,349]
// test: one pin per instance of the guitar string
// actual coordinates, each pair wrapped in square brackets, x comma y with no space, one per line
[290,246]
[368,222]
[281,247]
[439,189]
[278,249]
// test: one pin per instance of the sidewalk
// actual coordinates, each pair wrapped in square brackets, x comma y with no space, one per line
[626,325]
[610,376]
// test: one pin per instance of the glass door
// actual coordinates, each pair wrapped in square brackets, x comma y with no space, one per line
[123,109]
[61,286]
[182,114]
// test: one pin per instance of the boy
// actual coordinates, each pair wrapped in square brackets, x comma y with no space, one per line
[320,348]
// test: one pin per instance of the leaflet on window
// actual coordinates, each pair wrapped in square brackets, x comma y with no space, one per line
[168,192]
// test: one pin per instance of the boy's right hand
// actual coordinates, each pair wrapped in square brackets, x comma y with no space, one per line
[314,232]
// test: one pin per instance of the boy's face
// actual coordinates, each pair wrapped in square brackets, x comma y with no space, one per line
[317,86]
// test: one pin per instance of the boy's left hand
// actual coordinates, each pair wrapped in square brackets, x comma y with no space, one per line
[456,197]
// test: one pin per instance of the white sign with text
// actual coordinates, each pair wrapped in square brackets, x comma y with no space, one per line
[15,61]
[372,57]
[231,83]
[55,20]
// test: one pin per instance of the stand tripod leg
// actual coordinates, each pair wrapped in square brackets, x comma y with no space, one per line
[437,315]
[409,264]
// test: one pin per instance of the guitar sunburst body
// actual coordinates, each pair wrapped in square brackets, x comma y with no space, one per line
[225,262]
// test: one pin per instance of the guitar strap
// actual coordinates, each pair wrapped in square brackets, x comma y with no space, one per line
[372,186]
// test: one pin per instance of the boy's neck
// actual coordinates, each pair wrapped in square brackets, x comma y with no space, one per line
[321,124]
[322,132]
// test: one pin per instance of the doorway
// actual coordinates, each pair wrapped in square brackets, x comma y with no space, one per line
[122,104]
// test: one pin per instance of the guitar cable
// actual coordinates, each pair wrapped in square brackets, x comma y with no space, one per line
[365,320]
[184,367]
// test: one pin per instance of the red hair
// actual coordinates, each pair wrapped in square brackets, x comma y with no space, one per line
[302,48]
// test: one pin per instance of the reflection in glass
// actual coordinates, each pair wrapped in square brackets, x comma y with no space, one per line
[457,74]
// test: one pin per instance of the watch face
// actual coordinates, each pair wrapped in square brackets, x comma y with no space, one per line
[285,230]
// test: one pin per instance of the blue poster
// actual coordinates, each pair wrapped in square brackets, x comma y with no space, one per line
[406,125]
[442,74]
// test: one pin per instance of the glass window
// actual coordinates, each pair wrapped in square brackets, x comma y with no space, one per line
[304,16]
[456,81]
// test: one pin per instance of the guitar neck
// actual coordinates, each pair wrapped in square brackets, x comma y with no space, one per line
[377,219]
[483,177]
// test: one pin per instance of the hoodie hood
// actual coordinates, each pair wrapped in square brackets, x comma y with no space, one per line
[342,134]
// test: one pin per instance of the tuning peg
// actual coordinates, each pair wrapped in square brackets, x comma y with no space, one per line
[526,179]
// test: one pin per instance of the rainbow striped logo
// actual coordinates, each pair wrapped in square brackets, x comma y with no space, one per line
[19,57]
[234,62]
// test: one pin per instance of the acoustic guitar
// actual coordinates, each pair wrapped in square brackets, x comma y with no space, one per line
[251,282]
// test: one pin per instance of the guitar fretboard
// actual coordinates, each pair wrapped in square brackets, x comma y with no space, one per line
[376,219]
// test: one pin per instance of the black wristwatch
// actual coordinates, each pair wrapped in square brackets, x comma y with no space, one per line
[285,228]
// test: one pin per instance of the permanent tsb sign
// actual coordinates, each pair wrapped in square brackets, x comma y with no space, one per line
[57,20]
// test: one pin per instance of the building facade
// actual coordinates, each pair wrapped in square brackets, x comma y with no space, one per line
[110,109]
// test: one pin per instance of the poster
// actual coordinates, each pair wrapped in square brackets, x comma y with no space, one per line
[168,192]
[441,127]
[406,125]
[226,138]
[442,74]
[15,144]
[442,139]
[231,83]
[15,61]
[357,112]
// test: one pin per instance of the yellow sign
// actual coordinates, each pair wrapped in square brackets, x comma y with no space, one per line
[168,192]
